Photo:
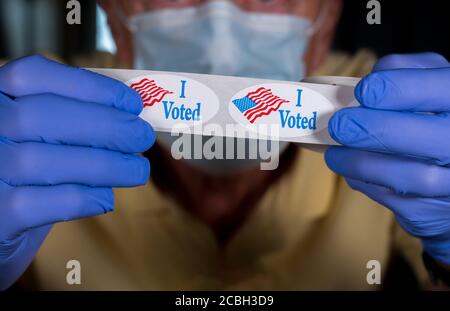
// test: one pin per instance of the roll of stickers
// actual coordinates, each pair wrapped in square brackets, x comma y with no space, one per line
[239,107]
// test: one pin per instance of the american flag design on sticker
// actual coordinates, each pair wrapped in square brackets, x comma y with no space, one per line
[259,103]
[149,91]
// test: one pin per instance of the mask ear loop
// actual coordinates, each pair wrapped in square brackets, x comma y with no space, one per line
[123,19]
[319,21]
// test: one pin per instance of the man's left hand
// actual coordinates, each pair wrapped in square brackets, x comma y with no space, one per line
[396,145]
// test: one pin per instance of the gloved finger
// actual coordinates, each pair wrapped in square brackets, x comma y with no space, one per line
[421,217]
[400,174]
[37,75]
[423,90]
[413,60]
[46,164]
[60,120]
[406,133]
[25,208]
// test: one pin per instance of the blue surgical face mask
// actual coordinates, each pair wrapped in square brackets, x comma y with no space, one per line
[220,38]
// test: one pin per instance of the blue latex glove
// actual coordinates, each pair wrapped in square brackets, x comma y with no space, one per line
[396,154]
[66,137]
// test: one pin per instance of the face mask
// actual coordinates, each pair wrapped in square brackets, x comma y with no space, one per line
[220,38]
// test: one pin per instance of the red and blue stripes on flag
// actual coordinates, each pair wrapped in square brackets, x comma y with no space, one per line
[149,91]
[259,103]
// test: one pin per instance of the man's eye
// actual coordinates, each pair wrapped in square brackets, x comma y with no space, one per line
[271,2]
[178,2]
[268,5]
[161,4]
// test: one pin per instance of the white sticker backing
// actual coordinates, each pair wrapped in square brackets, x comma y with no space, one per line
[291,111]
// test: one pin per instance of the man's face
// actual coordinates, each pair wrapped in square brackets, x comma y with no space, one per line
[225,196]
[318,47]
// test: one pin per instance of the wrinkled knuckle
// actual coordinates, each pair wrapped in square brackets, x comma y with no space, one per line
[11,157]
[78,201]
[21,162]
[435,55]
[438,58]
[441,160]
[14,79]
[17,215]
[36,58]
[391,59]
[18,125]
[432,179]
[17,71]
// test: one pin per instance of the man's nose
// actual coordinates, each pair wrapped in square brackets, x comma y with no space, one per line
[223,46]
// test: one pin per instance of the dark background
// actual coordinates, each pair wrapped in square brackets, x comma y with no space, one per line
[406,26]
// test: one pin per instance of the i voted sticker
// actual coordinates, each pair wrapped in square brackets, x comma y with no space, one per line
[172,100]
[296,110]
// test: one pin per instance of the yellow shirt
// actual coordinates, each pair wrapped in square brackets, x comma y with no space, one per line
[309,231]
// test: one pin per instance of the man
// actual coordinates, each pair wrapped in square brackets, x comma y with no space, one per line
[69,136]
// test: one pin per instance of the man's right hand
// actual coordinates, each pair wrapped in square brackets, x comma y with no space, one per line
[67,136]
